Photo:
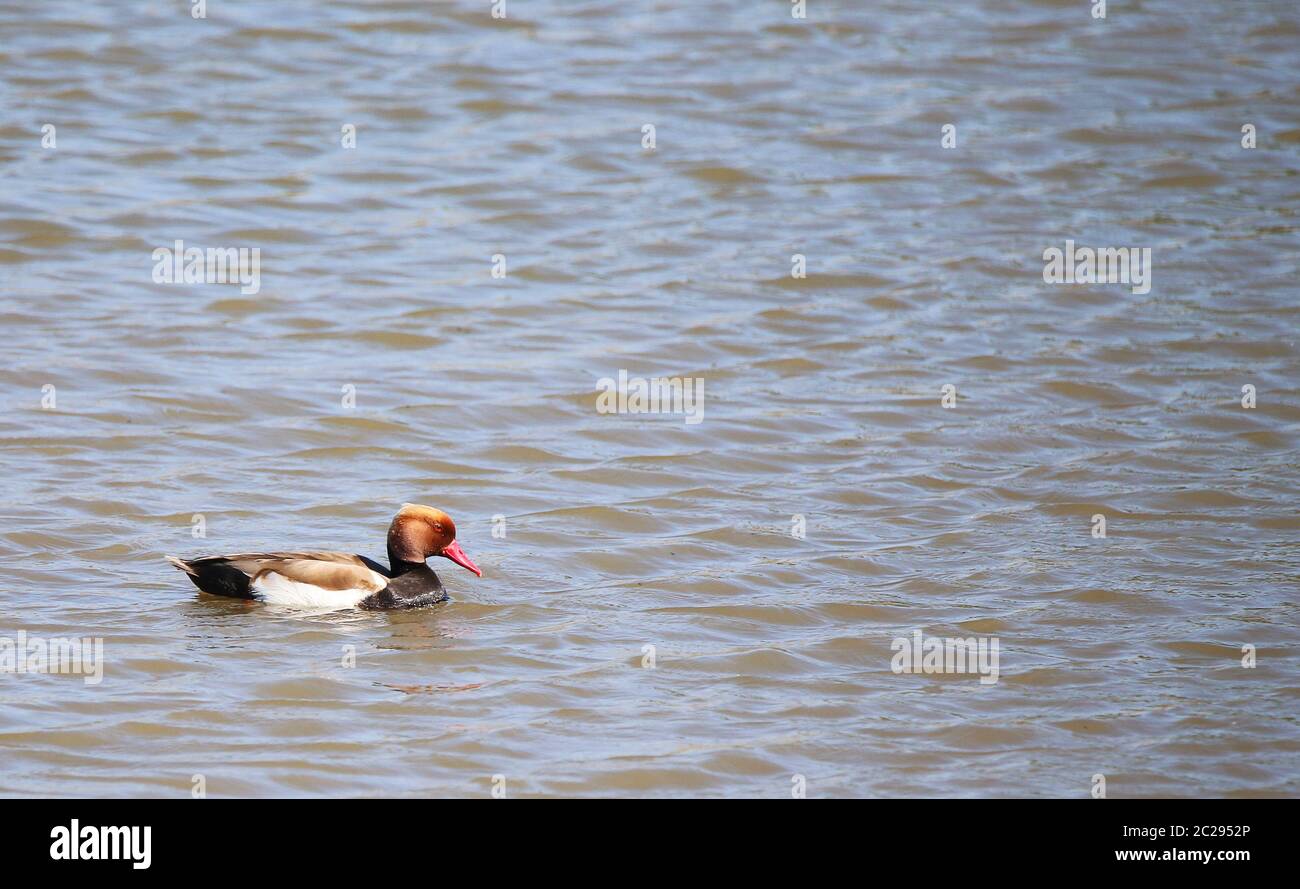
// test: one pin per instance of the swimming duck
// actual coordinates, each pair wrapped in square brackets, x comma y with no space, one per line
[341,580]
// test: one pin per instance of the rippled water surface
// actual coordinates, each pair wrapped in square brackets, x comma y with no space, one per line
[774,136]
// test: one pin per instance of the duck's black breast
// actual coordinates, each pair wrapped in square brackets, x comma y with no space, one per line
[410,589]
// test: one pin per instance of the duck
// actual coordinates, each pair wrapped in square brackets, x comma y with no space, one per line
[320,579]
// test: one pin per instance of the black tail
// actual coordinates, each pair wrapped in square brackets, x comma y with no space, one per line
[216,576]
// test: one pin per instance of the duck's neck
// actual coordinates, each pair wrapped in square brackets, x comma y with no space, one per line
[398,567]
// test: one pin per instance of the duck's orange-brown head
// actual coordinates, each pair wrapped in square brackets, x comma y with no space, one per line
[419,532]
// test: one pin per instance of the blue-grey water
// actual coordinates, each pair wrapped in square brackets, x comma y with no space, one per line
[381,360]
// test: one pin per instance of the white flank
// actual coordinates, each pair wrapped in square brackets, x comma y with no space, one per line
[276,589]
